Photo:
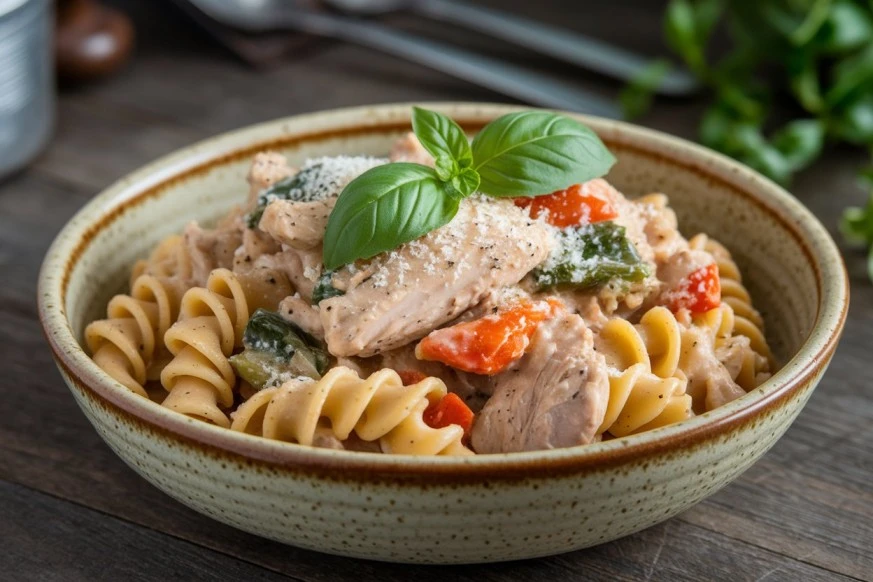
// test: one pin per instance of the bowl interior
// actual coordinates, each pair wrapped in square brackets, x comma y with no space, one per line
[790,264]
[775,260]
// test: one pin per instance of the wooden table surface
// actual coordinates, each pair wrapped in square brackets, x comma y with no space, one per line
[71,510]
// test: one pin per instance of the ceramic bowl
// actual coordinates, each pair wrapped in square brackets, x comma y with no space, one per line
[447,510]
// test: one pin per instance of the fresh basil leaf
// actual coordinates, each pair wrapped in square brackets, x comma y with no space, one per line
[531,153]
[767,160]
[636,97]
[442,137]
[591,255]
[466,182]
[446,167]
[800,142]
[383,208]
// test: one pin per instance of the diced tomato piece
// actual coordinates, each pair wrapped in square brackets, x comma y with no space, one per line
[579,204]
[448,410]
[489,344]
[410,377]
[698,292]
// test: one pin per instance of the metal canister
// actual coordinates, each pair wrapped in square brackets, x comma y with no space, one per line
[27,88]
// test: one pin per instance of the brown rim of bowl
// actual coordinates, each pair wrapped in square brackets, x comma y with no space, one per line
[190,162]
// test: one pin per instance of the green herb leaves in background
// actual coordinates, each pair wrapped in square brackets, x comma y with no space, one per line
[817,54]
[529,153]
[857,226]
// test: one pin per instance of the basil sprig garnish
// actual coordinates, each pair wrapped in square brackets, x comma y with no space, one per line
[529,153]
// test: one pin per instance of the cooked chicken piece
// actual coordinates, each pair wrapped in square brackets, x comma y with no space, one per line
[298,311]
[402,295]
[267,169]
[674,270]
[678,266]
[661,227]
[583,303]
[212,249]
[554,396]
[302,267]
[255,244]
[409,149]
[747,367]
[297,224]
[709,382]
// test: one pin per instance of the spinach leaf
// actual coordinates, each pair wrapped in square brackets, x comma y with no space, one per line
[275,349]
[324,288]
[591,255]
[290,188]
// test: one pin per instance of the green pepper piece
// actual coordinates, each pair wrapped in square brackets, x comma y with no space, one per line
[591,255]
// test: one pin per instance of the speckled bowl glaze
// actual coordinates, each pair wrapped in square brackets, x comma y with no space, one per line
[447,510]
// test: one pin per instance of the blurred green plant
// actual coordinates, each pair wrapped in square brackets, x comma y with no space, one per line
[819,53]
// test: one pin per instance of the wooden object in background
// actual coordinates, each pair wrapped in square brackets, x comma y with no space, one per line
[92,41]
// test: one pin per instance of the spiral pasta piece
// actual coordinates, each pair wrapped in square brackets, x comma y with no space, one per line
[646,386]
[126,343]
[641,401]
[655,342]
[747,320]
[212,319]
[737,344]
[378,407]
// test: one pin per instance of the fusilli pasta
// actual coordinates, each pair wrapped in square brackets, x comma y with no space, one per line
[128,342]
[199,379]
[646,387]
[747,320]
[378,407]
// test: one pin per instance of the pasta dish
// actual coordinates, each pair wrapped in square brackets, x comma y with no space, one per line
[448,299]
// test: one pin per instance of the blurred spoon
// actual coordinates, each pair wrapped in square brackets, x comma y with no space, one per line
[572,47]
[506,78]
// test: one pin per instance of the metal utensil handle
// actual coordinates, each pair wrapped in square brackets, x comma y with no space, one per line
[523,84]
[571,47]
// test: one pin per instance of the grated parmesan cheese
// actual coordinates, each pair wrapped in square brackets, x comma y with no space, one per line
[327,176]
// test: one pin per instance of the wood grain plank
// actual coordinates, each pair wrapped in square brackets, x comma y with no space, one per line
[95,144]
[48,539]
[33,209]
